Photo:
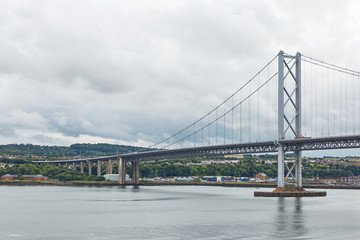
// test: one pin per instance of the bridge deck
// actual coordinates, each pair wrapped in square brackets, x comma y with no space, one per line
[304,144]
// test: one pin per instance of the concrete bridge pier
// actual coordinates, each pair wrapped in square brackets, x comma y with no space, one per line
[135,172]
[98,168]
[73,166]
[109,168]
[281,164]
[122,171]
[298,173]
[90,168]
[82,167]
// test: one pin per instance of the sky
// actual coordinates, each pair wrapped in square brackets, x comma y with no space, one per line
[134,72]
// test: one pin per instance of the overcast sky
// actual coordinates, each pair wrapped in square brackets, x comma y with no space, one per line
[132,72]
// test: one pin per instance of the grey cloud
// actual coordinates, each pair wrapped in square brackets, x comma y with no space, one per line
[141,70]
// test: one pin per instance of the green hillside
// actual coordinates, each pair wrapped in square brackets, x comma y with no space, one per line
[80,149]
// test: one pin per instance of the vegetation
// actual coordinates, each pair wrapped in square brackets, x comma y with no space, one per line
[244,169]
[51,171]
[166,169]
[49,152]
[248,166]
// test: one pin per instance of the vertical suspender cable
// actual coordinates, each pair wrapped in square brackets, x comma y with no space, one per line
[258,112]
[328,102]
[316,103]
[232,120]
[346,104]
[357,107]
[267,101]
[303,84]
[209,130]
[322,102]
[334,98]
[249,118]
[340,102]
[353,103]
[224,125]
[201,140]
[195,136]
[216,131]
[312,104]
[240,111]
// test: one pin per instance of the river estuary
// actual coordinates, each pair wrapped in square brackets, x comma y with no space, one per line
[173,212]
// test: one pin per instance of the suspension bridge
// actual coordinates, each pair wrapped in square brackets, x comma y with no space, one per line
[294,103]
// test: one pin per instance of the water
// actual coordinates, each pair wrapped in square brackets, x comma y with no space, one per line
[173,212]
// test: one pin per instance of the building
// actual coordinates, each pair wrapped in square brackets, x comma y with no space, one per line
[7,177]
[3,165]
[185,179]
[261,176]
[211,179]
[227,179]
[115,177]
[38,177]
[234,156]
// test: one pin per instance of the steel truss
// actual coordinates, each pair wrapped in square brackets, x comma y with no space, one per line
[303,144]
[289,113]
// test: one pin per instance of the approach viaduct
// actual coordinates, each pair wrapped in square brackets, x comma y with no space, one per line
[135,158]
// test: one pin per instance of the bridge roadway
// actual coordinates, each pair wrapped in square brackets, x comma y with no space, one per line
[242,148]
[304,144]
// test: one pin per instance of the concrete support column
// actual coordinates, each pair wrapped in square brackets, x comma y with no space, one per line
[122,171]
[107,167]
[281,164]
[59,164]
[98,168]
[110,167]
[73,166]
[90,168]
[81,167]
[135,172]
[298,173]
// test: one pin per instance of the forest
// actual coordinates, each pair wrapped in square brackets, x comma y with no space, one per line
[56,152]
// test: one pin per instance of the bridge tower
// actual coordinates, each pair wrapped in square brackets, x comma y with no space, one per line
[289,113]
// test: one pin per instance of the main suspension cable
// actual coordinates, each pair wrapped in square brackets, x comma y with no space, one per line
[215,109]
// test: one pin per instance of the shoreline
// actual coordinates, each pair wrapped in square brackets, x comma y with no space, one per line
[230,184]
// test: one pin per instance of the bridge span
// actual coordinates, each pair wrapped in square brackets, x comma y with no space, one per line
[330,110]
[301,144]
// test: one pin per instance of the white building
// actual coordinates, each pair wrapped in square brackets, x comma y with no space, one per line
[115,177]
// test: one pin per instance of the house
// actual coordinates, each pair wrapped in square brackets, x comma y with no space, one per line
[261,176]
[38,177]
[3,165]
[9,177]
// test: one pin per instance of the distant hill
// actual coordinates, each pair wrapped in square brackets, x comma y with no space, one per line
[79,149]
